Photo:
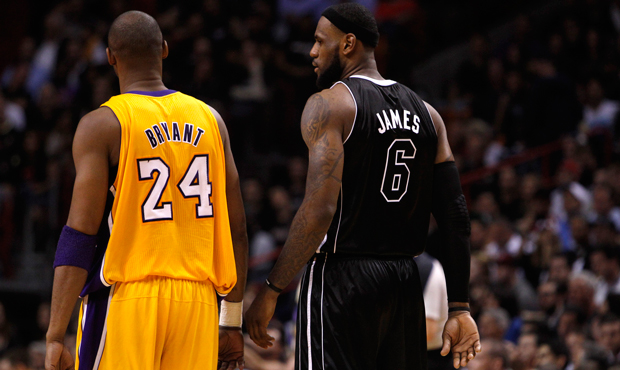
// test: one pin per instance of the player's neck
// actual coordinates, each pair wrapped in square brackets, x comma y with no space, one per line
[141,82]
[368,68]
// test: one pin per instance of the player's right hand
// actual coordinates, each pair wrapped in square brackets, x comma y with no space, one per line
[230,354]
[258,316]
[460,336]
[57,357]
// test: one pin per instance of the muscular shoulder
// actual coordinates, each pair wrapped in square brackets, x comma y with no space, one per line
[98,131]
[332,109]
[220,123]
[437,120]
[444,153]
[99,125]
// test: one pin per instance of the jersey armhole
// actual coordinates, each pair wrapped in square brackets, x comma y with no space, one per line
[121,153]
[430,116]
[354,102]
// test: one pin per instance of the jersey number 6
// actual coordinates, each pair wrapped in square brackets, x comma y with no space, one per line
[194,184]
[396,174]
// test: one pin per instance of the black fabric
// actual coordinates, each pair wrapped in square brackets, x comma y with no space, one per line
[425,267]
[438,362]
[367,36]
[450,211]
[384,205]
[362,314]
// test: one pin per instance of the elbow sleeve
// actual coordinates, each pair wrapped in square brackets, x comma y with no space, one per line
[450,211]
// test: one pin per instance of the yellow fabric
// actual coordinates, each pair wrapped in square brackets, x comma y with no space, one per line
[196,243]
[161,324]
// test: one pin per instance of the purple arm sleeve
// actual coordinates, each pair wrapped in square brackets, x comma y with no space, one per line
[75,249]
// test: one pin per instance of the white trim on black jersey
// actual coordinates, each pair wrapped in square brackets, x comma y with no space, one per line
[374,81]
[431,116]
[322,328]
[309,315]
[354,102]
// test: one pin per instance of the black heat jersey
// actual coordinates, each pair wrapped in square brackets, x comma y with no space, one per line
[385,199]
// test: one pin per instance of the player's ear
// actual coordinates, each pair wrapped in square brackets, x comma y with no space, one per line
[111,57]
[164,50]
[348,43]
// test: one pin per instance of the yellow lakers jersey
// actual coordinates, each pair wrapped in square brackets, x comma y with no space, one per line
[169,216]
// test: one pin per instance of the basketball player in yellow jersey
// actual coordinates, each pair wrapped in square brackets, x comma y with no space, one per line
[156,226]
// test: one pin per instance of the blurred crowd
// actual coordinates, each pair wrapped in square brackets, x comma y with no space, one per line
[545,277]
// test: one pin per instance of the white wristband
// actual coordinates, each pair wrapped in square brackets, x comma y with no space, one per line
[231,314]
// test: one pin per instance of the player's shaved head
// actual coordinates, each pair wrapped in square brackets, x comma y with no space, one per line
[135,35]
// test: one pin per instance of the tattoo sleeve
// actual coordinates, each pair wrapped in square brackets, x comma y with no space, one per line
[323,137]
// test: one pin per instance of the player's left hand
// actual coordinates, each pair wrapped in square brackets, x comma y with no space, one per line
[57,357]
[460,334]
[258,316]
[230,353]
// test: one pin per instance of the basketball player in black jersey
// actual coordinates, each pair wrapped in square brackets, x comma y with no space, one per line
[379,164]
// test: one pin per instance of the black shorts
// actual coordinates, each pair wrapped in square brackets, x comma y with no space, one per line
[361,313]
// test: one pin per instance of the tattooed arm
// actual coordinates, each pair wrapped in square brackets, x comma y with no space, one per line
[323,136]
[326,117]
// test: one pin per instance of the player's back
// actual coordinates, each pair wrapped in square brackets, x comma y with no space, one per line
[385,198]
[169,216]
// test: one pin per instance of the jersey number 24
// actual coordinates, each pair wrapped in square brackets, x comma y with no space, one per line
[194,184]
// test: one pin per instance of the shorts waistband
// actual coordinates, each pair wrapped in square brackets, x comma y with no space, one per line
[352,256]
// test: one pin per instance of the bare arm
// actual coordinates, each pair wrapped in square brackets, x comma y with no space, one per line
[444,153]
[236,214]
[96,136]
[322,125]
[460,335]
[231,350]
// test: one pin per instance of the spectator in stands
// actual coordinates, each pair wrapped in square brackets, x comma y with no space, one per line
[569,199]
[494,356]
[479,234]
[580,233]
[508,193]
[510,113]
[546,245]
[571,319]
[603,232]
[493,323]
[599,113]
[551,355]
[16,359]
[485,206]
[605,263]
[503,239]
[552,109]
[511,285]
[551,302]
[603,206]
[581,289]
[560,269]
[610,337]
[44,60]
[524,355]
[36,352]
[583,353]
[472,74]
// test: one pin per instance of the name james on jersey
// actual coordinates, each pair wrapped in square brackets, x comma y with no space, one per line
[394,121]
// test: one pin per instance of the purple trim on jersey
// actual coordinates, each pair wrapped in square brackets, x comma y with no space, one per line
[157,94]
[92,285]
[94,324]
[93,281]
